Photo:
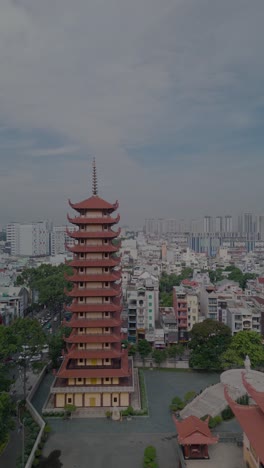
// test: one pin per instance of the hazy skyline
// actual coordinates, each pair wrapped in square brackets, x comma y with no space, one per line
[168,96]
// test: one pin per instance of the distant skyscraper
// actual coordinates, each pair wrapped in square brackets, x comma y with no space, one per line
[29,240]
[228,224]
[260,227]
[219,224]
[208,224]
[246,223]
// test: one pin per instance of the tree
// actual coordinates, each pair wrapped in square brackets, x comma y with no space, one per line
[175,350]
[132,349]
[159,355]
[6,421]
[209,339]
[56,345]
[49,281]
[30,339]
[168,281]
[237,275]
[244,343]
[216,275]
[144,349]
[8,347]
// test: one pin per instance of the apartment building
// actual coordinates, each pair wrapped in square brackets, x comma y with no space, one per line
[242,316]
[28,240]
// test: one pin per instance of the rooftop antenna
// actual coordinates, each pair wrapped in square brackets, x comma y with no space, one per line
[95,189]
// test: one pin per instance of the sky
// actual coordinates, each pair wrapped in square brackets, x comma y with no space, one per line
[167,95]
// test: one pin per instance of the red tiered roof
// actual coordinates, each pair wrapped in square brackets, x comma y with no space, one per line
[75,307]
[93,248]
[93,234]
[102,338]
[194,431]
[94,203]
[251,419]
[111,262]
[93,323]
[102,292]
[98,220]
[110,277]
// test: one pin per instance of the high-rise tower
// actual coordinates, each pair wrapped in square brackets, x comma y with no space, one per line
[96,370]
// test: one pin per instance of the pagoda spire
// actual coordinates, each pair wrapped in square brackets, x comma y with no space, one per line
[95,185]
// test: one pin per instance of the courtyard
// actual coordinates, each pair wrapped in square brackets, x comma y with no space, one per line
[99,442]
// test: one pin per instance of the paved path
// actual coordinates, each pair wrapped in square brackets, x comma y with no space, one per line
[12,451]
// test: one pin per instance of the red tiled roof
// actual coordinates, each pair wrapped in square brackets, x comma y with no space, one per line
[261,280]
[192,431]
[260,300]
[85,220]
[94,203]
[251,419]
[187,282]
[257,396]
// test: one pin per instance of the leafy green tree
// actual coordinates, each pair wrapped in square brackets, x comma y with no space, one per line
[6,420]
[244,343]
[8,346]
[166,285]
[175,350]
[30,339]
[144,349]
[189,396]
[237,275]
[49,281]
[216,275]
[209,340]
[132,349]
[56,345]
[159,355]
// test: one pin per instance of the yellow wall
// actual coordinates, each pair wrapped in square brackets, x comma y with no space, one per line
[94,228]
[92,315]
[94,362]
[90,382]
[94,256]
[93,271]
[93,242]
[79,381]
[94,285]
[124,399]
[78,399]
[94,345]
[115,380]
[93,331]
[106,399]
[71,381]
[89,396]
[60,400]
[94,214]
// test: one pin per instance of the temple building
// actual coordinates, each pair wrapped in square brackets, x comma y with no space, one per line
[96,370]
[194,436]
[251,418]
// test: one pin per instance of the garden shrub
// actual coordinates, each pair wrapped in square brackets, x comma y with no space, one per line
[227,413]
[213,422]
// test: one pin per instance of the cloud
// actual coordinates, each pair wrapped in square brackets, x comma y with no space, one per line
[161,93]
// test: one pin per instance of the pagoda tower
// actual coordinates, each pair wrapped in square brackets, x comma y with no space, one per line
[96,370]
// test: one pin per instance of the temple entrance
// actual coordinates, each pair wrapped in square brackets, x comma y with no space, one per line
[92,401]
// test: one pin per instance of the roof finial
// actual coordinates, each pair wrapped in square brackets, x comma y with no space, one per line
[95,190]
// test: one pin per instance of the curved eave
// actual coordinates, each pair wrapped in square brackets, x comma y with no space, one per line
[93,248]
[94,203]
[102,292]
[75,308]
[110,263]
[94,278]
[93,235]
[83,220]
[89,323]
[92,338]
[91,373]
[99,354]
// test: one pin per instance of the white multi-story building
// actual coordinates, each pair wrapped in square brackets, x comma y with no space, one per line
[241,317]
[28,240]
[59,238]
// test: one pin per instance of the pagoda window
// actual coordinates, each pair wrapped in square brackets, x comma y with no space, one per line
[81,299]
[106,284]
[107,345]
[106,329]
[81,345]
[106,255]
[106,299]
[106,241]
[82,255]
[81,330]
[106,270]
[81,284]
[105,228]
[106,314]
[82,228]
[81,314]
[115,399]
[82,242]
[81,270]
[69,400]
